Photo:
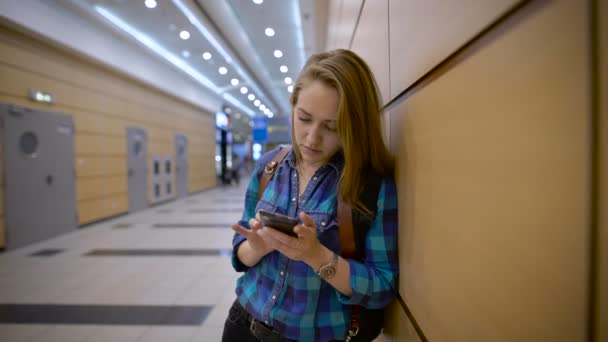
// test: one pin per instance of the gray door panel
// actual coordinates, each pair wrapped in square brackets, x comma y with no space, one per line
[40,179]
[137,168]
[181,165]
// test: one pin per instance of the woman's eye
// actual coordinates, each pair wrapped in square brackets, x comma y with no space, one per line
[331,129]
[304,119]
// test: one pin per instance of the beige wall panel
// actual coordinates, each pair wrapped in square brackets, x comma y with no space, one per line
[371,43]
[492,180]
[386,127]
[21,54]
[334,10]
[423,33]
[397,326]
[96,209]
[64,93]
[342,26]
[159,148]
[2,235]
[602,264]
[89,188]
[90,166]
[100,145]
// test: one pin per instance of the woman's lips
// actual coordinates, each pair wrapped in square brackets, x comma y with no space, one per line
[311,150]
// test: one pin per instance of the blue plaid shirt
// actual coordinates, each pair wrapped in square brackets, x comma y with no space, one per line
[288,295]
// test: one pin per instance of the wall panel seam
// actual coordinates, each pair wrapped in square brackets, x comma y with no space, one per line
[447,62]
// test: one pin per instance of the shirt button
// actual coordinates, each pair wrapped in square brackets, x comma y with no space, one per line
[274,297]
[314,178]
[266,322]
[323,223]
[282,273]
[295,175]
[293,199]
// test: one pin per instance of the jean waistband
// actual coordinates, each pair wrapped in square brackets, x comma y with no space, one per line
[259,329]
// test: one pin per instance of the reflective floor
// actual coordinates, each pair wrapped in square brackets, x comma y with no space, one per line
[162,274]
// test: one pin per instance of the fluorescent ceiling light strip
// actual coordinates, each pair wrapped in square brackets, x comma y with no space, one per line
[194,21]
[216,44]
[238,104]
[297,19]
[154,46]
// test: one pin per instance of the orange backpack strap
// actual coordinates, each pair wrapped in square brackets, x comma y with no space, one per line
[348,251]
[271,168]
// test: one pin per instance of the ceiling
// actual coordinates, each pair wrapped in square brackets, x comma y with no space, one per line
[226,48]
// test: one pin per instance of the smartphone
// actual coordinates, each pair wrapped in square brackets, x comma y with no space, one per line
[279,222]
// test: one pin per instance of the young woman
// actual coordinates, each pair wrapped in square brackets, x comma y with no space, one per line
[337,148]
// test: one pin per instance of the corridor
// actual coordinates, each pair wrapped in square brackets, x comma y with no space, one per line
[161,274]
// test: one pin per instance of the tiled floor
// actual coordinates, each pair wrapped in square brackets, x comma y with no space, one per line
[173,257]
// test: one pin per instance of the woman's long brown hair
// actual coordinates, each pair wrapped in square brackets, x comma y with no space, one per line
[359,127]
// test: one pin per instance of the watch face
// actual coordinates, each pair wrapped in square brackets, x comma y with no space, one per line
[327,272]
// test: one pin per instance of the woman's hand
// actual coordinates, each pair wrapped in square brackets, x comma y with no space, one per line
[256,242]
[306,247]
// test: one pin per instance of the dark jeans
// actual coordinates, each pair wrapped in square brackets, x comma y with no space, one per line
[237,327]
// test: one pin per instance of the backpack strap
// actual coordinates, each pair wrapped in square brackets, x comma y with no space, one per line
[270,168]
[352,243]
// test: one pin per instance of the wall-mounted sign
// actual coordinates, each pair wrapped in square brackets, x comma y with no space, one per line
[40,96]
[221,120]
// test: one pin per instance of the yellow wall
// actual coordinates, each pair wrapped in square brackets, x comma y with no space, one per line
[103,104]
[493,164]
[602,265]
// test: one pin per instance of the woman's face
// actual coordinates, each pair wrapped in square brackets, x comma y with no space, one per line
[315,123]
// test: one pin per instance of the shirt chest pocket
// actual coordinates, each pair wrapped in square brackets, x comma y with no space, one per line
[327,230]
[324,221]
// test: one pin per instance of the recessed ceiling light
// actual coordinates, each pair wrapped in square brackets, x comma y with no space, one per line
[251,97]
[234,81]
[290,88]
[228,110]
[206,56]
[258,2]
[186,54]
[150,3]
[244,90]
[256,103]
[284,69]
[184,35]
[237,115]
[278,53]
[269,32]
[288,80]
[262,107]
[222,70]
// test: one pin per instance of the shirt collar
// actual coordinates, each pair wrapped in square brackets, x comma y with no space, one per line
[336,162]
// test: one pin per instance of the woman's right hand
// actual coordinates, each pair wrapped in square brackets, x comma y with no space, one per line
[256,242]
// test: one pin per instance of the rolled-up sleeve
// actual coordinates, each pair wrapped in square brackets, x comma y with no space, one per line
[251,197]
[373,281]
[251,201]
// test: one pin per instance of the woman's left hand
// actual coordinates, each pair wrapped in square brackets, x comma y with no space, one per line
[306,247]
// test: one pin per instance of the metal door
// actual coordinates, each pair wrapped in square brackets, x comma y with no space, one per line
[181,165]
[40,179]
[137,168]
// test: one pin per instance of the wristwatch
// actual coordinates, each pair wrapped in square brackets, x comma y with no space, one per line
[328,270]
